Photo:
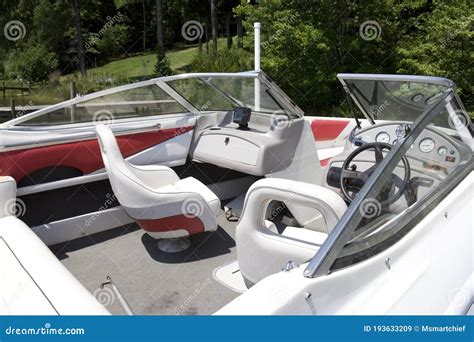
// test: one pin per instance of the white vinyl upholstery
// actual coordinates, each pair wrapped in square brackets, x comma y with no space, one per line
[261,250]
[193,185]
[7,196]
[156,192]
[32,280]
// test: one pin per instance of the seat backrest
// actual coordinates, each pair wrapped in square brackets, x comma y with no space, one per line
[262,251]
[124,182]
[7,196]
[37,282]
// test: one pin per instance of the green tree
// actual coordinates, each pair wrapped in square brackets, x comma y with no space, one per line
[112,42]
[144,3]
[47,29]
[162,66]
[225,60]
[81,55]
[306,43]
[439,40]
[33,63]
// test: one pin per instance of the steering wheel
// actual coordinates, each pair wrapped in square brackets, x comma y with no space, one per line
[352,180]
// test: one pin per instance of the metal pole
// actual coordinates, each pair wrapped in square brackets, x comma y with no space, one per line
[12,108]
[72,89]
[122,301]
[72,92]
[4,91]
[256,27]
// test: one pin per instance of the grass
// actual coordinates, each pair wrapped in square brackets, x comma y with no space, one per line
[143,65]
[118,72]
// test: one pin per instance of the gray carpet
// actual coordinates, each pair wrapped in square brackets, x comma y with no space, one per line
[153,282]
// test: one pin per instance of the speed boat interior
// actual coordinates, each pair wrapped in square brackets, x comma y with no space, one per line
[212,193]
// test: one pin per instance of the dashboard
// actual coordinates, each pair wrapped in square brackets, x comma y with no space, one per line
[431,145]
[432,156]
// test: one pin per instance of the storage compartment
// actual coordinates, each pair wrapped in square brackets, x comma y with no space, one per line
[228,147]
[252,150]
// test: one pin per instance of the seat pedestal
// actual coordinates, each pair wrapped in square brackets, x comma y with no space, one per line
[174,245]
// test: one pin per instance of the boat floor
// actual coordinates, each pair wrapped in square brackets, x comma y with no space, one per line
[152,281]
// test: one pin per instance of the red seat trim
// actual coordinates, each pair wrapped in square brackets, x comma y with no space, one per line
[192,224]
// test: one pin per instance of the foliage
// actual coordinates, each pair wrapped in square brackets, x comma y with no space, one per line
[162,66]
[34,63]
[225,60]
[142,66]
[47,29]
[110,44]
[305,44]
[441,43]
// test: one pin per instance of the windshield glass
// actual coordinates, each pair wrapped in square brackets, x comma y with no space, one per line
[426,161]
[135,102]
[396,167]
[227,93]
[404,99]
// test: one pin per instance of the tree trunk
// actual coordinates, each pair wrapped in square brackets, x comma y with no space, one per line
[79,41]
[240,33]
[207,34]
[227,29]
[159,26]
[214,25]
[144,25]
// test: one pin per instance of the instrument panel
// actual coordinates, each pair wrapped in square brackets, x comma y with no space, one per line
[430,145]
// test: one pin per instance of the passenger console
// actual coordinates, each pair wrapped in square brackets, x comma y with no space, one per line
[245,147]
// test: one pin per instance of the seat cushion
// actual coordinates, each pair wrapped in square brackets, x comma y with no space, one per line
[191,184]
[34,281]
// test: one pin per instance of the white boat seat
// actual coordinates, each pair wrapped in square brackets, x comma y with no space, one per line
[261,250]
[33,280]
[192,184]
[7,196]
[161,203]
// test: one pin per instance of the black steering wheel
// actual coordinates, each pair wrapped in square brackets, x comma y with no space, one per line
[352,180]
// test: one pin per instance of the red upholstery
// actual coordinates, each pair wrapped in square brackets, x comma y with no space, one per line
[82,155]
[327,129]
[192,224]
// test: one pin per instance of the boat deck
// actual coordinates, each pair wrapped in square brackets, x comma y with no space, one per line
[152,281]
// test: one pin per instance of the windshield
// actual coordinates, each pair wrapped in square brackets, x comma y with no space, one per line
[227,93]
[178,94]
[401,98]
[397,169]
[144,101]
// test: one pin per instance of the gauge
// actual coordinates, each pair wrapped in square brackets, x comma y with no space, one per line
[383,137]
[426,145]
[443,150]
